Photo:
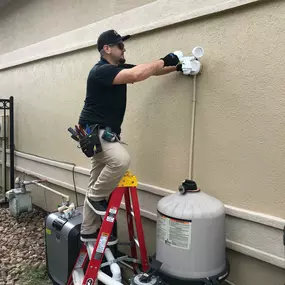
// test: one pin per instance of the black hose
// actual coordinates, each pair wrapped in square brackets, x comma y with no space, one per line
[73,175]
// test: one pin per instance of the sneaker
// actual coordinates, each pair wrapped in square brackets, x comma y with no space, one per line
[99,207]
[93,237]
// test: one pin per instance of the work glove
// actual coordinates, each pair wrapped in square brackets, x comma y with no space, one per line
[179,67]
[170,60]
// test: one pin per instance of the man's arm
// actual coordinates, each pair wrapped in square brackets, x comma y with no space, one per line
[165,70]
[138,73]
[144,71]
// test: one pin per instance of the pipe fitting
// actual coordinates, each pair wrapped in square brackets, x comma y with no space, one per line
[115,268]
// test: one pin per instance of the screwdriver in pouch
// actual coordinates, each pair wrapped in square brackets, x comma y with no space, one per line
[73,134]
[75,138]
[80,133]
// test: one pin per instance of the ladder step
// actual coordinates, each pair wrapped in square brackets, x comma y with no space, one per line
[90,247]
[78,276]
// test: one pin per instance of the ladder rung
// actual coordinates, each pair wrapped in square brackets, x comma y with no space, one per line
[136,241]
[90,247]
[78,276]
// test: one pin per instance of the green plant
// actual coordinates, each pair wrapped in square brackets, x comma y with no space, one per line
[36,276]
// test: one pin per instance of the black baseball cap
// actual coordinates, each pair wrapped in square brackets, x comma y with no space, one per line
[110,37]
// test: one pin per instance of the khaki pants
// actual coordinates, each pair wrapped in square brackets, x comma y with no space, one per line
[107,169]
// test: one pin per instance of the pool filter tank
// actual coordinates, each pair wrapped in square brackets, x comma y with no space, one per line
[190,237]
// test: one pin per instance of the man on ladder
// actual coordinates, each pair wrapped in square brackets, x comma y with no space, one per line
[105,105]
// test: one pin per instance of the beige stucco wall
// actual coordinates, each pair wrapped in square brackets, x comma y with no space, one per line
[239,142]
[239,146]
[26,22]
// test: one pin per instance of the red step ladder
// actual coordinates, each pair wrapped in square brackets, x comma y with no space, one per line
[94,255]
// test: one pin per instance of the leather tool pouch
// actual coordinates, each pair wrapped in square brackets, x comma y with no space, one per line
[90,144]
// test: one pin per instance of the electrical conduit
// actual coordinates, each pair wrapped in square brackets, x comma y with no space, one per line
[52,190]
[192,129]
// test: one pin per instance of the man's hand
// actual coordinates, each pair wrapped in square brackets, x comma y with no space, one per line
[170,60]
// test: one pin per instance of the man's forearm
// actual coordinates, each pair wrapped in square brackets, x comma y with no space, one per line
[165,70]
[144,71]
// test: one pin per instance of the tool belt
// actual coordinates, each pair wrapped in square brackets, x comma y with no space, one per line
[90,144]
[89,140]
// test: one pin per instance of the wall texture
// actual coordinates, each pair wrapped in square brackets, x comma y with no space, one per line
[27,22]
[240,148]
[239,151]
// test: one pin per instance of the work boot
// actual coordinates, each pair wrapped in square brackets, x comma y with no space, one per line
[99,207]
[93,238]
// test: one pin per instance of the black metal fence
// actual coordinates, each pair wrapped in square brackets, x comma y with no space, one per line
[7,105]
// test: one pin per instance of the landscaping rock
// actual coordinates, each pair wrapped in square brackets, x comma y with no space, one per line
[22,244]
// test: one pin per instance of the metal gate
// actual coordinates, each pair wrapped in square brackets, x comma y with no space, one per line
[7,140]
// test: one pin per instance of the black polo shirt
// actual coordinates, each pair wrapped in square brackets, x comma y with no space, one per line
[105,103]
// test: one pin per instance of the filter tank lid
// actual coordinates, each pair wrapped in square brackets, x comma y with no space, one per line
[191,203]
[188,186]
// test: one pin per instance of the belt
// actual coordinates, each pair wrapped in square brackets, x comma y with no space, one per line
[101,128]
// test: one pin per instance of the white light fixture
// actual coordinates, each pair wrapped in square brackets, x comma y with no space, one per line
[191,64]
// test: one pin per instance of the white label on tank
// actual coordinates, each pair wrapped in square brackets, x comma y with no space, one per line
[176,233]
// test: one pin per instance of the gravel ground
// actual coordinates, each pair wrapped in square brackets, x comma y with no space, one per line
[22,245]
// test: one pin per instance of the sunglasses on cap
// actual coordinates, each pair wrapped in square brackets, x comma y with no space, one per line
[121,46]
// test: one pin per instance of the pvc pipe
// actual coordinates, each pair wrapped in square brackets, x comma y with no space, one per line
[62,208]
[115,268]
[127,265]
[52,190]
[106,279]
[192,130]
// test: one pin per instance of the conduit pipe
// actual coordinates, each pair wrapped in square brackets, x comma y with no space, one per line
[52,190]
[192,135]
[190,65]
